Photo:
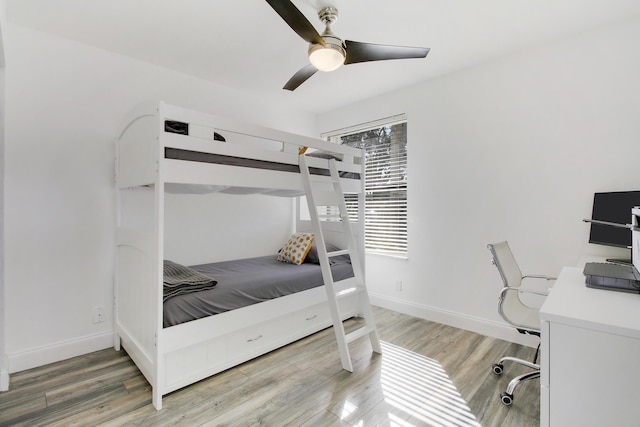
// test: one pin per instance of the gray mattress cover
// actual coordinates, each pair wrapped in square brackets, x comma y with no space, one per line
[197,156]
[245,282]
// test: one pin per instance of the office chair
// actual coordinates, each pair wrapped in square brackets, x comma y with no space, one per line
[511,308]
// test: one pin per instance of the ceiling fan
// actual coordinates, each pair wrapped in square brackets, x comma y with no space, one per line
[327,52]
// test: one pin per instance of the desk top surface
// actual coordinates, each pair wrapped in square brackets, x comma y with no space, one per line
[571,302]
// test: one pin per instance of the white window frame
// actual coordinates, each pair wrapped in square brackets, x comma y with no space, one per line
[391,240]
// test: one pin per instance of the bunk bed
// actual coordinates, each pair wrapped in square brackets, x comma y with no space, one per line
[164,148]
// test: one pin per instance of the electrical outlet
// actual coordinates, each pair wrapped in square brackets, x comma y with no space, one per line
[98,314]
[399,285]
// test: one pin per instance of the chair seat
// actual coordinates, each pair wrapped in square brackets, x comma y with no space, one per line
[523,316]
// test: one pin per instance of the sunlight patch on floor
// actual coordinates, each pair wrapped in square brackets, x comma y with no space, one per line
[348,409]
[420,388]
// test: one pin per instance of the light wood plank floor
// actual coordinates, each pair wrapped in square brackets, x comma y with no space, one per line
[429,375]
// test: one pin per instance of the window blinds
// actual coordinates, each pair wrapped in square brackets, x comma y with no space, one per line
[385,185]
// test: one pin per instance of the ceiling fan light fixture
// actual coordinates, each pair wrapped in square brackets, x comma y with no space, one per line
[326,58]
[332,55]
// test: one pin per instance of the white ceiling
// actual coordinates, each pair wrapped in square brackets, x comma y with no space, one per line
[245,45]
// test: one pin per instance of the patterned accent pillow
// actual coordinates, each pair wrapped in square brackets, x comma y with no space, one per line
[297,248]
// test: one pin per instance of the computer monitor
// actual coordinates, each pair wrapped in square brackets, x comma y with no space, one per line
[613,207]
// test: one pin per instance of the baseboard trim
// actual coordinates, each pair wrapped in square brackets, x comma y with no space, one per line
[76,347]
[58,351]
[4,380]
[463,321]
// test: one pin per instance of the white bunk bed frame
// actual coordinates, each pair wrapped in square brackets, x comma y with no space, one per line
[174,357]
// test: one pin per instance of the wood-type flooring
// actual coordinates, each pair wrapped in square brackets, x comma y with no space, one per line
[428,375]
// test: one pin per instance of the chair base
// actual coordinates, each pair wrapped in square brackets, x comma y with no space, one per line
[497,368]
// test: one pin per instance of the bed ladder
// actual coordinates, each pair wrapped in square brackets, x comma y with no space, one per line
[322,190]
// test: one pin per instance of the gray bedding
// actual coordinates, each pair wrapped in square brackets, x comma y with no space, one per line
[197,156]
[180,280]
[245,282]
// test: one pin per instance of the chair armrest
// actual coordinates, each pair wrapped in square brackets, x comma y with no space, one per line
[538,276]
[545,289]
[532,292]
[521,291]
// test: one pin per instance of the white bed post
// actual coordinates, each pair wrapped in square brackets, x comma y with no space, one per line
[159,365]
[118,205]
[158,374]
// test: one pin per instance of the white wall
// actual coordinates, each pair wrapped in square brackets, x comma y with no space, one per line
[220,227]
[512,149]
[65,103]
[4,370]
[509,150]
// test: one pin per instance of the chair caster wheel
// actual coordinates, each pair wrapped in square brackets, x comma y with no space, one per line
[506,398]
[497,368]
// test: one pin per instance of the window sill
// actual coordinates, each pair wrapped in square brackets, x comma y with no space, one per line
[385,255]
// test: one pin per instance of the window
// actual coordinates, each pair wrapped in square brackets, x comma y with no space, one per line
[385,145]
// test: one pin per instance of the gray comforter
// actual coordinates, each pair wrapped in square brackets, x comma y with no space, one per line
[245,282]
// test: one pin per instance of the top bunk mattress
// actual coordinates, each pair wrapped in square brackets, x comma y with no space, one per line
[221,159]
[246,282]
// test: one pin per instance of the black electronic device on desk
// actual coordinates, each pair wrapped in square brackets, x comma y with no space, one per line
[610,220]
[615,277]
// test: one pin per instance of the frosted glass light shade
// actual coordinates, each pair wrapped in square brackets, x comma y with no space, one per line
[326,58]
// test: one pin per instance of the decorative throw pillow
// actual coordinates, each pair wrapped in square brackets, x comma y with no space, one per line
[313,258]
[296,248]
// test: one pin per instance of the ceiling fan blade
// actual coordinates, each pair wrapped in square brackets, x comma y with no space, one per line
[296,20]
[364,52]
[300,77]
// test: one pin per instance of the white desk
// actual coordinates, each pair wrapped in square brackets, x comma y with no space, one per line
[590,355]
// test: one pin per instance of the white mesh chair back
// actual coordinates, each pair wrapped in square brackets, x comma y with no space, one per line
[510,307]
[506,263]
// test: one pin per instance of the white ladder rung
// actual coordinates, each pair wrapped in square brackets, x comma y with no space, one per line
[348,292]
[338,253]
[358,333]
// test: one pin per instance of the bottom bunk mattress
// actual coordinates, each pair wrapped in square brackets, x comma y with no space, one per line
[245,282]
